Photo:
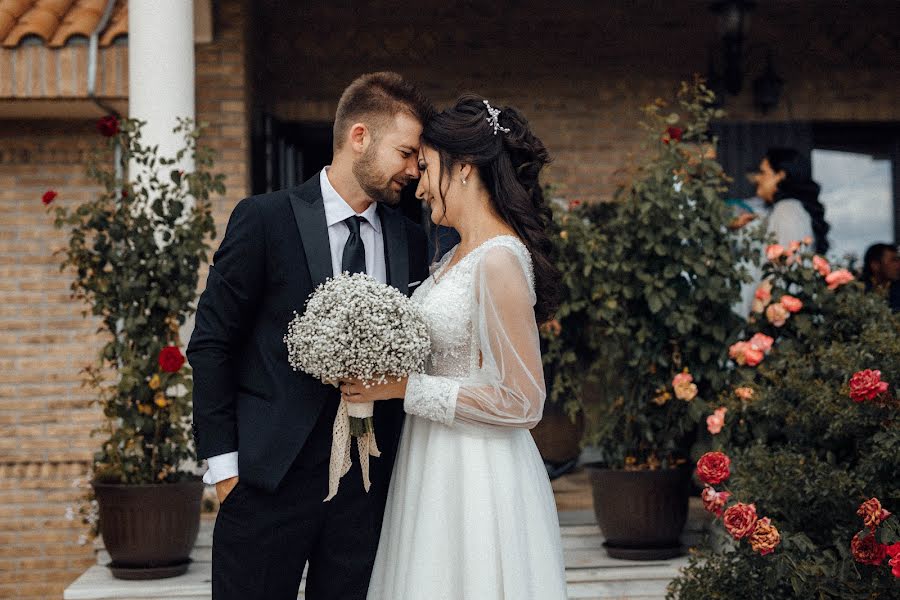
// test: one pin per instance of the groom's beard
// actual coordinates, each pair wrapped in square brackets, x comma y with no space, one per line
[373,182]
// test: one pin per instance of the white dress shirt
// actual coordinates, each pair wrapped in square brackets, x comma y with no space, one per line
[225,466]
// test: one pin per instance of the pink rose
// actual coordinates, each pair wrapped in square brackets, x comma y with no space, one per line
[737,352]
[762,296]
[713,468]
[872,513]
[716,421]
[821,265]
[867,385]
[774,251]
[740,520]
[714,501]
[753,357]
[794,246]
[765,537]
[685,389]
[867,550]
[744,393]
[777,314]
[682,379]
[791,303]
[838,278]
[762,342]
[744,353]
[807,241]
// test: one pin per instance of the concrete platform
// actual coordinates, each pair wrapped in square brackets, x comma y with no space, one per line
[590,573]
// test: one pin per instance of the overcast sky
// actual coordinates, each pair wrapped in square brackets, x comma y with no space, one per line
[856,192]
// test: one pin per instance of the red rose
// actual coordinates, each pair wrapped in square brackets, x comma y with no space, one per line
[894,552]
[867,385]
[867,550]
[740,520]
[713,468]
[673,133]
[714,501]
[872,513]
[48,197]
[170,359]
[108,126]
[573,204]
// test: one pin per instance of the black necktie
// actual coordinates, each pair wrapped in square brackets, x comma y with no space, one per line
[354,258]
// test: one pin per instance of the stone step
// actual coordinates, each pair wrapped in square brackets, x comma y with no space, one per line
[590,573]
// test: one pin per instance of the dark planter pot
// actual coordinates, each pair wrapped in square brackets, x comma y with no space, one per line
[641,513]
[557,438]
[149,530]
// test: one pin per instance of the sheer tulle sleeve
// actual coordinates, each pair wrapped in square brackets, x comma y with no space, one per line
[507,388]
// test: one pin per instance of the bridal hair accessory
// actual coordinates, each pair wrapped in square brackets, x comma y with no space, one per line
[494,118]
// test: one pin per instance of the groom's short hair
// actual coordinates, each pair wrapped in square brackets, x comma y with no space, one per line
[374,99]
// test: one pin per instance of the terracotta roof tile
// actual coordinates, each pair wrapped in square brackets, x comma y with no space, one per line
[57,21]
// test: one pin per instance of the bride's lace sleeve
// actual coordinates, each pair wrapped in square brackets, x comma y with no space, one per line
[507,388]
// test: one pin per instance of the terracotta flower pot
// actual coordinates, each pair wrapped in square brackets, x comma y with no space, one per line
[641,513]
[149,530]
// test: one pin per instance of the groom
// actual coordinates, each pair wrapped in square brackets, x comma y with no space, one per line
[265,429]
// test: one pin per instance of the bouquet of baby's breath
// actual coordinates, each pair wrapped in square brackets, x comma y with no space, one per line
[357,328]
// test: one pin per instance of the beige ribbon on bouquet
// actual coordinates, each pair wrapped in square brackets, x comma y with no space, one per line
[340,461]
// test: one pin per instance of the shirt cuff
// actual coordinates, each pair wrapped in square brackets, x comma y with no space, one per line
[221,467]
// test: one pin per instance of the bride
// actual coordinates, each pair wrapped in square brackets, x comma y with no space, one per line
[470,513]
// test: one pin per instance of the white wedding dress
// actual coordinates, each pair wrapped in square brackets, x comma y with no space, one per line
[470,512]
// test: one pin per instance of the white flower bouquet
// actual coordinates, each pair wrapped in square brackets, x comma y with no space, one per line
[356,328]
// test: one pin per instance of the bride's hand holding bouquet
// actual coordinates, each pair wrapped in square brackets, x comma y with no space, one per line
[367,337]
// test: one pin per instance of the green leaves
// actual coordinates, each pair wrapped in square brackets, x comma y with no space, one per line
[139,291]
[649,281]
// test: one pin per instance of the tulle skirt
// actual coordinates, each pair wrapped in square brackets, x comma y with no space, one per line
[470,516]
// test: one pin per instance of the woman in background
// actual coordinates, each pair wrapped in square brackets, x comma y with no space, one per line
[784,181]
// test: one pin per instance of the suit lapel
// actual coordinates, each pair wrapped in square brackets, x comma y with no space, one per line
[395,248]
[309,214]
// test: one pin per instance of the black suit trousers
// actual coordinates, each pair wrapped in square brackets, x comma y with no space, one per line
[263,540]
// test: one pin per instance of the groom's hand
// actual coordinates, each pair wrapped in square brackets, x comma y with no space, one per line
[224,487]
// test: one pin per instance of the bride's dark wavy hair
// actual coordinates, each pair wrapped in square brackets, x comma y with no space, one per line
[509,165]
[799,185]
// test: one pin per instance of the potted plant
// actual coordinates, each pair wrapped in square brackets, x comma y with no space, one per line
[666,274]
[565,339]
[809,444]
[135,250]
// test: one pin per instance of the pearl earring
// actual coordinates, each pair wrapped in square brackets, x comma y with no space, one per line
[464,181]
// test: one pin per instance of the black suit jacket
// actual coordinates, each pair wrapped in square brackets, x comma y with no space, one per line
[246,395]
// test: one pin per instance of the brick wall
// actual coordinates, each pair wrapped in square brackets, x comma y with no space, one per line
[45,416]
[579,70]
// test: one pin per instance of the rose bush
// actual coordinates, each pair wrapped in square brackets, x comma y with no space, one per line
[642,274]
[813,435]
[134,251]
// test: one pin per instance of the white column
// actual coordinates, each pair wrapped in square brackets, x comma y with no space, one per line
[161,78]
[161,69]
